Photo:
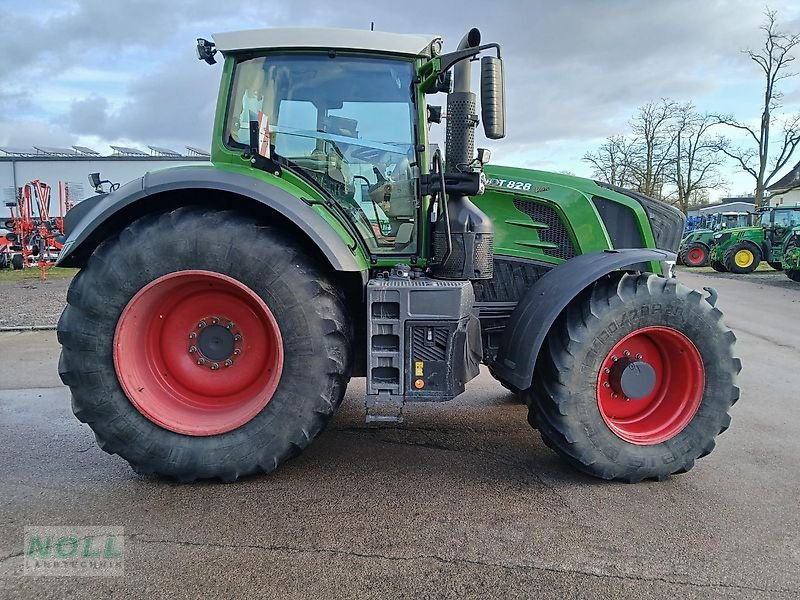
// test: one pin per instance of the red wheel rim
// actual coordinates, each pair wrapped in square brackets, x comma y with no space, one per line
[198,352]
[665,403]
[696,256]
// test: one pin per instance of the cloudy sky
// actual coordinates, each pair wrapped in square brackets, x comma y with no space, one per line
[99,72]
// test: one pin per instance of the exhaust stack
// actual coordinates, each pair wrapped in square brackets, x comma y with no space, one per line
[471,232]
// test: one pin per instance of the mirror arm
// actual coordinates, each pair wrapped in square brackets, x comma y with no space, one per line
[441,64]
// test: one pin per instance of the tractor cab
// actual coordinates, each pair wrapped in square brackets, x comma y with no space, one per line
[778,222]
[343,112]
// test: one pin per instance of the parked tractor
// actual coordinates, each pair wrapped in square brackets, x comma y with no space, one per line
[741,250]
[695,245]
[791,255]
[345,245]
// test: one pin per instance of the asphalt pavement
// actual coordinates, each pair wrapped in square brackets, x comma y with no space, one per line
[463,500]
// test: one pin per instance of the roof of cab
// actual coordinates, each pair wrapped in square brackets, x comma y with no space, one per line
[327,38]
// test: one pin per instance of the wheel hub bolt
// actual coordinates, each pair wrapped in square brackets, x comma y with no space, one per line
[639,356]
[614,359]
[230,325]
[627,353]
[201,324]
[192,349]
[214,321]
[606,370]
[607,385]
[214,366]
[228,363]
[192,335]
[237,352]
[237,338]
[201,361]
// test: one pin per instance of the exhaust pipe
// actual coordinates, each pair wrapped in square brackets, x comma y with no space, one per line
[470,252]
[462,114]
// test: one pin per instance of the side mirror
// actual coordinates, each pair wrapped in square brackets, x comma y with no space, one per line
[94,180]
[493,98]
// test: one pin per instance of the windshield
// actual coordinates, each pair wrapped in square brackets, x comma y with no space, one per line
[347,124]
[787,218]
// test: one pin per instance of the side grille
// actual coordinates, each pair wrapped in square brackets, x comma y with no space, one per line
[556,232]
[511,280]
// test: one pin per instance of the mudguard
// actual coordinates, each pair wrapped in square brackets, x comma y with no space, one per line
[535,314]
[96,222]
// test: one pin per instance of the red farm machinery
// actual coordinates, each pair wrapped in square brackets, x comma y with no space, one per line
[35,236]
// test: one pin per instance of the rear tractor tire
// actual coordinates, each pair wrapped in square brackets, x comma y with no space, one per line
[742,258]
[696,255]
[635,380]
[17,262]
[201,357]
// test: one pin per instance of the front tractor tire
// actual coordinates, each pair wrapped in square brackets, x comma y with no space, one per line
[201,344]
[742,258]
[635,380]
[718,266]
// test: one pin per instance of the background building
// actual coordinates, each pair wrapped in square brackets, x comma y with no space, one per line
[73,165]
[787,189]
[730,204]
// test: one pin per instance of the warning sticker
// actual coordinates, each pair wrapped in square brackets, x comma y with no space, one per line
[418,368]
[263,135]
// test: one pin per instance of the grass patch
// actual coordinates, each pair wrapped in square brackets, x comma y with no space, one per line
[35,274]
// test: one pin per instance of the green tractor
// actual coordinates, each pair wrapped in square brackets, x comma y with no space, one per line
[791,255]
[742,249]
[221,310]
[696,245]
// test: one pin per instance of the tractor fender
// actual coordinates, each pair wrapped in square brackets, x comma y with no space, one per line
[110,212]
[536,312]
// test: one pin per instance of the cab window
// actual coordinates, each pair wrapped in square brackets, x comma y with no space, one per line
[345,123]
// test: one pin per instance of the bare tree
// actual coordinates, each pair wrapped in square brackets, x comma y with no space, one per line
[753,157]
[696,159]
[611,162]
[669,155]
[642,159]
[654,128]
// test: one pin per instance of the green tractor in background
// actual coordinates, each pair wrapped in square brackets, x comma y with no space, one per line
[791,255]
[221,310]
[742,249]
[696,245]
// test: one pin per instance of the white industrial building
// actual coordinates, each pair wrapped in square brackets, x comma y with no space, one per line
[786,191]
[72,166]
